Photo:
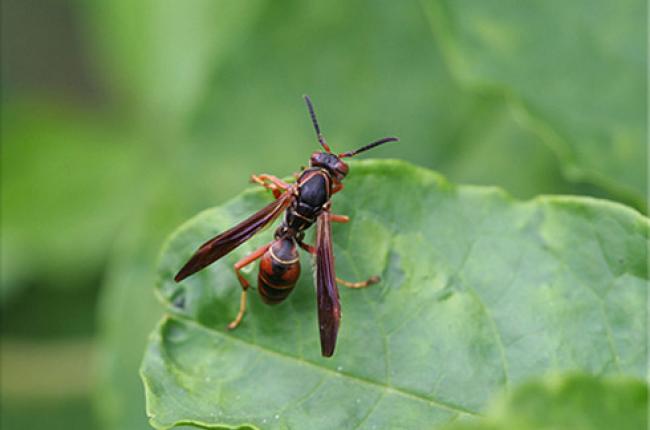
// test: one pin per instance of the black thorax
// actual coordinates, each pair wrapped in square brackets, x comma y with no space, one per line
[313,193]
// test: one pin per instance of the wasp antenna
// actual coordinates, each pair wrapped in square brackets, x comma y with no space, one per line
[312,114]
[369,146]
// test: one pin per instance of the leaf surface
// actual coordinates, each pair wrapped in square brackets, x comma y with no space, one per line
[568,402]
[479,293]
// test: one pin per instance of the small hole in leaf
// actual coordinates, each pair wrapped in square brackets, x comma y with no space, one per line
[178,299]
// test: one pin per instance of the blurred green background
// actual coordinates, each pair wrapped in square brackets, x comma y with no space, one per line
[122,119]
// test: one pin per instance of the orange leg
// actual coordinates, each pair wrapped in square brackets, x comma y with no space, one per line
[244,283]
[338,186]
[272,183]
[263,178]
[363,284]
[339,218]
[310,249]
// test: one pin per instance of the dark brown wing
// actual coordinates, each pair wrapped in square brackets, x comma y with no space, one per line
[218,246]
[329,306]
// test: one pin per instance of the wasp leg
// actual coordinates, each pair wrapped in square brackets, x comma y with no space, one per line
[362,284]
[310,249]
[244,283]
[339,218]
[270,182]
[338,186]
[274,181]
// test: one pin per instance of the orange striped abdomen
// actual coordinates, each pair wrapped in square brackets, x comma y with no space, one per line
[279,271]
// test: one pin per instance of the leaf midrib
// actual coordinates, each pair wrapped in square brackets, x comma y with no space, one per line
[384,388]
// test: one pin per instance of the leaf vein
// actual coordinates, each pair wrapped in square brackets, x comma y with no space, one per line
[374,384]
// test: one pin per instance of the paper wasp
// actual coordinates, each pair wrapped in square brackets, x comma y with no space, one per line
[305,202]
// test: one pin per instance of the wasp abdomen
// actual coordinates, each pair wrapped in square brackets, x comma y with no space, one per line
[279,271]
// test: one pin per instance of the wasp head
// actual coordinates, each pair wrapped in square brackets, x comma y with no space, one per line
[329,162]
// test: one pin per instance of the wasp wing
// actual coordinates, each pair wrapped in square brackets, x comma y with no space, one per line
[220,245]
[329,306]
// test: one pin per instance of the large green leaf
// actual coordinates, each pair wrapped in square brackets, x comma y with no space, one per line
[470,140]
[577,72]
[574,402]
[479,292]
